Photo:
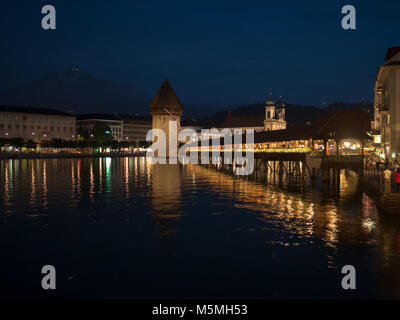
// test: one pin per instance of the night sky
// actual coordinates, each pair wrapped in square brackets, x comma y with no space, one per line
[224,52]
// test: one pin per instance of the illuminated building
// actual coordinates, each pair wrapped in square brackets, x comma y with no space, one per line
[386,121]
[165,108]
[274,115]
[334,132]
[134,127]
[87,122]
[36,124]
[274,119]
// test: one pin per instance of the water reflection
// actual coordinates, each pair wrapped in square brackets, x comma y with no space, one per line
[167,199]
[277,208]
[341,216]
[166,196]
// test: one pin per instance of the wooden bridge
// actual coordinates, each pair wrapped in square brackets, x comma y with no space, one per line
[301,164]
[291,163]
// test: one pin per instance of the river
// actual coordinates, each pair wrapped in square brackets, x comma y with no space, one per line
[120,228]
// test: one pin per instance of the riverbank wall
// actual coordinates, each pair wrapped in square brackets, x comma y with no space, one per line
[66,155]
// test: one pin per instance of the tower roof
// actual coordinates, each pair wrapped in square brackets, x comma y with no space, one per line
[165,98]
[391,52]
[270,102]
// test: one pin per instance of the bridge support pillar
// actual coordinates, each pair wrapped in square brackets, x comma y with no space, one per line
[325,175]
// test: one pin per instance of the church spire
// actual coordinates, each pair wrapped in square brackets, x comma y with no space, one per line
[270,102]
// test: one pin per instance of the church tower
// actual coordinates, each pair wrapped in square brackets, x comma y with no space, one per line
[274,115]
[166,107]
[281,109]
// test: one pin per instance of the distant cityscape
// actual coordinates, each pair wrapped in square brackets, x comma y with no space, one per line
[24,127]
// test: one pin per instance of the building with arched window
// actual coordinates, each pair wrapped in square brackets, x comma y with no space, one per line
[274,115]
[386,123]
[274,118]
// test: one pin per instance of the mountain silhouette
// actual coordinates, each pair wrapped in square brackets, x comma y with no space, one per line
[296,115]
[77,91]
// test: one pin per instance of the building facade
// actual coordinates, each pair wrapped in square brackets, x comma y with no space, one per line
[87,122]
[386,123]
[274,115]
[36,124]
[274,119]
[135,128]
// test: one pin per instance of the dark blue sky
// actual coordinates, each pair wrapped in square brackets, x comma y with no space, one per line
[227,52]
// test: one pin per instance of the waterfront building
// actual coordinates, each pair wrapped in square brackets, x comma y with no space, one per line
[135,127]
[274,119]
[386,123]
[334,132]
[274,115]
[37,124]
[87,122]
[166,107]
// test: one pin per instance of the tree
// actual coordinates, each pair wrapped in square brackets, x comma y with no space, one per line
[102,132]
[46,144]
[3,142]
[124,144]
[57,143]
[106,144]
[115,145]
[17,142]
[93,143]
[83,144]
[145,144]
[30,144]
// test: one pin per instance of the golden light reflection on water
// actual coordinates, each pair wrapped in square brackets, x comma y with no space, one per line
[6,185]
[33,185]
[91,183]
[337,216]
[166,196]
[126,177]
[45,191]
[277,208]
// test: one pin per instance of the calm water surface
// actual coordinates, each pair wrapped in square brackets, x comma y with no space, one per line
[120,228]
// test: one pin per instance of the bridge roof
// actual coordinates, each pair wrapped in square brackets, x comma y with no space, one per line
[337,125]
[288,134]
[342,124]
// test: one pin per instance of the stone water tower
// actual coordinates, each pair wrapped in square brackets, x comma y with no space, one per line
[166,107]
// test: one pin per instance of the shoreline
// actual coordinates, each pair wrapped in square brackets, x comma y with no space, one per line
[17,156]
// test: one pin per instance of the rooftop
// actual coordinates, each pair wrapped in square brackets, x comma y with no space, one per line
[98,116]
[165,98]
[339,124]
[46,111]
[391,52]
